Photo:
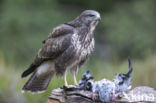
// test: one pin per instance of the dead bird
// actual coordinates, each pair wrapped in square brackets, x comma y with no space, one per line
[123,81]
[86,83]
[105,88]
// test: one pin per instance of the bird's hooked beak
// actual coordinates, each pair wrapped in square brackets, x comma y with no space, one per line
[96,20]
[99,19]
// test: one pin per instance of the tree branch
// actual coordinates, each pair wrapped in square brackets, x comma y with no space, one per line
[141,94]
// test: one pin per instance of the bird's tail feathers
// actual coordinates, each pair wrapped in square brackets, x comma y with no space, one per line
[130,67]
[37,84]
[28,71]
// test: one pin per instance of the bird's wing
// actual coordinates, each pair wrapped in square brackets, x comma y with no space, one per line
[56,43]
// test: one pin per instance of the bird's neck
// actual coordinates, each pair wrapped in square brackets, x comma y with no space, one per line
[85,31]
[76,23]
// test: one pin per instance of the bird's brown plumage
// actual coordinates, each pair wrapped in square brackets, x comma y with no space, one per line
[68,46]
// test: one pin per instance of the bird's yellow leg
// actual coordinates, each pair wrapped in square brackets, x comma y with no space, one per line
[65,79]
[66,83]
[75,81]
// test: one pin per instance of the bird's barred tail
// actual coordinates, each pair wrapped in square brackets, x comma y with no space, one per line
[37,84]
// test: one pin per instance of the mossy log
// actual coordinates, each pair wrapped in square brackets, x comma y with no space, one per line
[142,94]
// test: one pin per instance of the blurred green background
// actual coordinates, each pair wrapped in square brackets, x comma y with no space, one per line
[128,28]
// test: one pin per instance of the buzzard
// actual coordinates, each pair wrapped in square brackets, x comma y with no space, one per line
[67,47]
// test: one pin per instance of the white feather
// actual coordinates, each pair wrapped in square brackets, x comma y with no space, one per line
[45,67]
[23,91]
[75,41]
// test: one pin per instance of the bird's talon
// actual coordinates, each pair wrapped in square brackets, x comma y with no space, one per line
[75,84]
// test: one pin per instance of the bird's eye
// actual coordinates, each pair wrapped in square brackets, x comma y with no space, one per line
[91,15]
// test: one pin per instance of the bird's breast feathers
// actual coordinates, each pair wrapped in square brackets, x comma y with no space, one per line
[82,48]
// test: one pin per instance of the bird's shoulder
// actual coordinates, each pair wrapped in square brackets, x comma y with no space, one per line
[61,30]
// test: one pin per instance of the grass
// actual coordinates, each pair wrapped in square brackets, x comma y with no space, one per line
[11,83]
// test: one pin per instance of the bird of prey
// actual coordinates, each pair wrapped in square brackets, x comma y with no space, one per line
[67,47]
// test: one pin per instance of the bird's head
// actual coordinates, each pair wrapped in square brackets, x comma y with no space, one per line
[90,17]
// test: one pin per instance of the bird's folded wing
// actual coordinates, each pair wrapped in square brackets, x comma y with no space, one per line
[56,43]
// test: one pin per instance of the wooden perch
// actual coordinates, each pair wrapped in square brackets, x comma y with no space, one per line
[142,94]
